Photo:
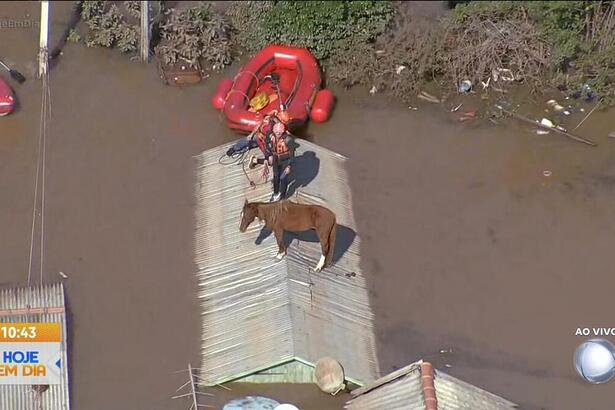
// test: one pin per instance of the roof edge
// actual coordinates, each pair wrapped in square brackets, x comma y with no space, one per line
[346,377]
[388,378]
[246,373]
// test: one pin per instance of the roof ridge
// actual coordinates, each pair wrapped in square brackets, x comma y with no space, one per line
[429,389]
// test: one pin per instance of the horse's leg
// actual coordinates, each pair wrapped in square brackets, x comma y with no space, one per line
[323,237]
[279,236]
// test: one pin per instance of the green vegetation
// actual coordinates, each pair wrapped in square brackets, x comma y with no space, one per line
[73,36]
[325,27]
[579,35]
[565,44]
[109,27]
[195,35]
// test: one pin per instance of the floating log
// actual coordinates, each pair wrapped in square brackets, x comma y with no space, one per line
[539,125]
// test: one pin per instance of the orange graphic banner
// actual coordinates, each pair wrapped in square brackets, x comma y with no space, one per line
[30,332]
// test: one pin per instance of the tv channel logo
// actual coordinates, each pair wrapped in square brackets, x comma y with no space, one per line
[594,361]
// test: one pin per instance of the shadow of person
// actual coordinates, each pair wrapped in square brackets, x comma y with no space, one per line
[262,235]
[305,168]
[344,238]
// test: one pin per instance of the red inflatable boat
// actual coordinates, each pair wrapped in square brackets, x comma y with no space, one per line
[7,101]
[297,78]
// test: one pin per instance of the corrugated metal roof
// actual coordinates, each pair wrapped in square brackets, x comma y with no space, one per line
[36,304]
[402,389]
[258,312]
[404,393]
[455,394]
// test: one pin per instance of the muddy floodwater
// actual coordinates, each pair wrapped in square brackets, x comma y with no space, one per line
[485,246]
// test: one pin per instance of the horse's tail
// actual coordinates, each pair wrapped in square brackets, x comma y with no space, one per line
[331,251]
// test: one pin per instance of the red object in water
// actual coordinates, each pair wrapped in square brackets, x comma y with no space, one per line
[219,97]
[7,101]
[322,106]
[299,81]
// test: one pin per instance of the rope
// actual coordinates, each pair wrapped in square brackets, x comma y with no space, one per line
[40,173]
[47,109]
[258,83]
[239,158]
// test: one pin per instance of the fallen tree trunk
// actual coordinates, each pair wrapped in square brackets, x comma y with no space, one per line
[537,124]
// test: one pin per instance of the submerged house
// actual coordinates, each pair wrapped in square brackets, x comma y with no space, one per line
[420,387]
[269,321]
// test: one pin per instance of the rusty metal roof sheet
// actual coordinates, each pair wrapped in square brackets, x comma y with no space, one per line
[36,304]
[258,312]
[402,389]
[455,394]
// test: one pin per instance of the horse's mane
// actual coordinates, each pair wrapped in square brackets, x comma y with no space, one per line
[273,211]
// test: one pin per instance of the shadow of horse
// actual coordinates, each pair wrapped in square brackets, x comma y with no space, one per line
[344,238]
[304,169]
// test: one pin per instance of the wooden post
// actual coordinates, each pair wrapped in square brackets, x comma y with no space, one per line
[43,52]
[145,31]
[195,401]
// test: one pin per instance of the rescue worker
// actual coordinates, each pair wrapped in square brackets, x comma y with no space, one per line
[257,138]
[280,144]
[283,115]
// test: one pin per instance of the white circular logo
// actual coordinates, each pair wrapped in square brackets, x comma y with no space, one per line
[594,360]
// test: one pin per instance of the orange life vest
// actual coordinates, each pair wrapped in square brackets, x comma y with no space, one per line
[281,147]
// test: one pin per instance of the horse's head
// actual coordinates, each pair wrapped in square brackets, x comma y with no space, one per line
[248,214]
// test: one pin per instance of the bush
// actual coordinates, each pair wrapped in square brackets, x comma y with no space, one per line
[109,27]
[562,24]
[594,64]
[481,38]
[326,28]
[73,36]
[194,34]
[399,62]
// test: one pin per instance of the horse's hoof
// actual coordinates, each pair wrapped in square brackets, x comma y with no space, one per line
[280,256]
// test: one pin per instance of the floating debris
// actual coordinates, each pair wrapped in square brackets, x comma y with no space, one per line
[466,116]
[428,97]
[612,134]
[63,275]
[588,115]
[547,173]
[373,90]
[535,122]
[547,123]
[399,69]
[465,86]
[456,108]
[555,106]
[503,74]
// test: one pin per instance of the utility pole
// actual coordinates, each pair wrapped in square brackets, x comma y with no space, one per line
[43,52]
[145,31]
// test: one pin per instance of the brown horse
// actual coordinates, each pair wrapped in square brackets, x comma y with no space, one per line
[293,217]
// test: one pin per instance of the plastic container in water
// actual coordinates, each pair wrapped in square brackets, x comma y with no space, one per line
[465,86]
